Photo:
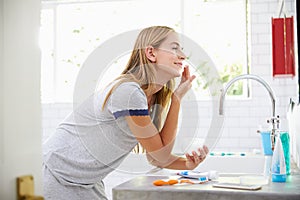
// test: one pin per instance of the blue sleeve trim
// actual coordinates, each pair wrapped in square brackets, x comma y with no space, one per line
[122,113]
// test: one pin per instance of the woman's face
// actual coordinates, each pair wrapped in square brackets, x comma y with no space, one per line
[169,56]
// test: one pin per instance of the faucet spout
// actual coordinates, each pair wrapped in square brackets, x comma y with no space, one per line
[247,76]
[274,120]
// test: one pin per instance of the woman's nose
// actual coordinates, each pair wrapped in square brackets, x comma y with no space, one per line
[181,55]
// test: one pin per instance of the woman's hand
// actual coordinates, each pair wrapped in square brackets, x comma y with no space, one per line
[194,159]
[185,83]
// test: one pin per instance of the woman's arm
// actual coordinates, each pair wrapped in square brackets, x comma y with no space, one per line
[159,145]
[150,138]
[169,130]
[180,163]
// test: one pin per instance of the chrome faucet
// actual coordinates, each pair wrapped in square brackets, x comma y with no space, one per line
[274,119]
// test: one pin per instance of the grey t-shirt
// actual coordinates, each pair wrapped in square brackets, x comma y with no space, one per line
[91,142]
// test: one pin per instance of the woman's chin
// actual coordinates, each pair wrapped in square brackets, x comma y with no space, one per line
[178,73]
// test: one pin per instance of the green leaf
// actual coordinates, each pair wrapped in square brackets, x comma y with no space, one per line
[76,31]
[225,78]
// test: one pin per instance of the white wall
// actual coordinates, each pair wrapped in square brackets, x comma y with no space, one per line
[20,94]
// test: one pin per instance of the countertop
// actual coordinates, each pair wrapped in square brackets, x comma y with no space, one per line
[141,188]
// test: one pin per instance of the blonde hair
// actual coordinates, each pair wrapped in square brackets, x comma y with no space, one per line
[141,70]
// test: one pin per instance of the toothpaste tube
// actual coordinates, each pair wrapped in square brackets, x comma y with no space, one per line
[210,175]
[203,179]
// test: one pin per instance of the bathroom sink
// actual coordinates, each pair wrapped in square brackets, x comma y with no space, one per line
[246,169]
[249,164]
[229,164]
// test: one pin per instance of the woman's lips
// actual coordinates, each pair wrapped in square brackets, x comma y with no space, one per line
[179,64]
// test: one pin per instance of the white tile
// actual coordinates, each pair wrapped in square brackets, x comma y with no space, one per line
[260,49]
[259,7]
[238,112]
[253,142]
[228,142]
[264,38]
[238,132]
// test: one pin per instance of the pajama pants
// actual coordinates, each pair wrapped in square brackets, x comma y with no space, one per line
[54,190]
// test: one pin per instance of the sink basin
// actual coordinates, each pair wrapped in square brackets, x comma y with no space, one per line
[233,164]
[250,164]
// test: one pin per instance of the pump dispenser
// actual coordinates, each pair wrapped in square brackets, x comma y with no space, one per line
[278,167]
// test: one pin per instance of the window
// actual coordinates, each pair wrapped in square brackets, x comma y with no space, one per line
[71,30]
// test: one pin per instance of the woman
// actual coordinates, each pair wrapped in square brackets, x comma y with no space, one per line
[140,107]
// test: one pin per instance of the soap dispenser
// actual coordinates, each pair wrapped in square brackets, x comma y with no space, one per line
[278,167]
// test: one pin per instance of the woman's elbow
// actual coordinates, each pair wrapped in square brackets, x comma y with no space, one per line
[159,163]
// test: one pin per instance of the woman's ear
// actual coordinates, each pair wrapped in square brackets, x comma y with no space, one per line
[149,51]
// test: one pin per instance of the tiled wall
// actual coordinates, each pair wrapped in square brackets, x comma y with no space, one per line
[242,117]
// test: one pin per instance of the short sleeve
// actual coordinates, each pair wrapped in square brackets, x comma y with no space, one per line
[128,99]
